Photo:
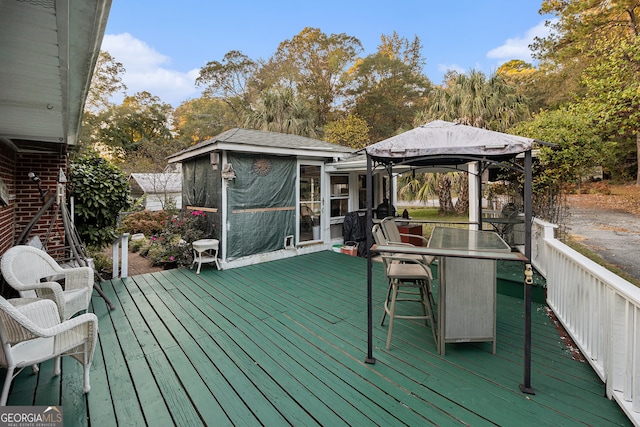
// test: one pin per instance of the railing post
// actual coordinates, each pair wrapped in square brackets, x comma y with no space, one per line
[115,256]
[120,245]
[124,268]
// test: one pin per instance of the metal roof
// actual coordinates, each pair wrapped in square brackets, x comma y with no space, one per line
[48,49]
[158,182]
[258,141]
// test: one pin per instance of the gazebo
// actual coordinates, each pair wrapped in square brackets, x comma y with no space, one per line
[442,145]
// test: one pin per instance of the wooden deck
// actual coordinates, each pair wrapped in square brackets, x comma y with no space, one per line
[284,343]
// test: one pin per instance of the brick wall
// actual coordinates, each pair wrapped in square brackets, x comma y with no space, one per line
[27,202]
[7,172]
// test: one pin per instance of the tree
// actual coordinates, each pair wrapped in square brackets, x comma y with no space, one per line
[388,88]
[578,148]
[139,119]
[137,134]
[529,83]
[596,40]
[417,186]
[350,131]
[316,63]
[462,203]
[397,47]
[443,183]
[202,118]
[229,80]
[100,191]
[475,100]
[281,111]
[106,81]
[387,94]
[613,84]
[579,23]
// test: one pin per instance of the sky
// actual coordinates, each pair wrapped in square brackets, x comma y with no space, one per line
[163,44]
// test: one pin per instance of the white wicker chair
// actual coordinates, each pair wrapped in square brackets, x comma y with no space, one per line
[23,267]
[31,332]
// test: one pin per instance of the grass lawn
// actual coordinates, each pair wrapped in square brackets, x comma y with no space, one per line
[431,214]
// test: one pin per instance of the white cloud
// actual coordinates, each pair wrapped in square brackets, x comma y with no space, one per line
[148,70]
[518,48]
[443,68]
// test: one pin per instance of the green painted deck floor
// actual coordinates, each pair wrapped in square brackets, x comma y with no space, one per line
[284,343]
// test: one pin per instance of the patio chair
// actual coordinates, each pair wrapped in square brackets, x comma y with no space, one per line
[32,272]
[410,281]
[31,332]
[510,212]
[394,237]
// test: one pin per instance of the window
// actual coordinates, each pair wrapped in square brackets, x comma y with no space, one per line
[339,195]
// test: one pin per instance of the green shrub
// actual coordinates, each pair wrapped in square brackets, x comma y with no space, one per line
[169,234]
[173,244]
[101,262]
[139,245]
[100,192]
[145,222]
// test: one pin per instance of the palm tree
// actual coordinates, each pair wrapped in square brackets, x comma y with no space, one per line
[417,186]
[281,111]
[475,100]
[445,205]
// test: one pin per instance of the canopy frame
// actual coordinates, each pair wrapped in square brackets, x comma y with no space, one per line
[391,158]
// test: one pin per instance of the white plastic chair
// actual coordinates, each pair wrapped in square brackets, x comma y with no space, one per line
[24,268]
[31,332]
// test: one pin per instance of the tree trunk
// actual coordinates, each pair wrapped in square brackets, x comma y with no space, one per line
[444,194]
[638,157]
[462,204]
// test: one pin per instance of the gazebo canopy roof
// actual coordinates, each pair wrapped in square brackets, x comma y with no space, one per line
[441,143]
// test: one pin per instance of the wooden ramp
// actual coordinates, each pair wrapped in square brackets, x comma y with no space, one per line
[284,343]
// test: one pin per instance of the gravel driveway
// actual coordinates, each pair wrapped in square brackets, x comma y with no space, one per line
[613,235]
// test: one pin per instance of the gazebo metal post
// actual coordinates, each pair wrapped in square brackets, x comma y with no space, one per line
[525,387]
[479,173]
[391,189]
[369,223]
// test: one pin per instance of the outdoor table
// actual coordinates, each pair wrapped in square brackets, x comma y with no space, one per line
[204,251]
[467,287]
[504,225]
[466,281]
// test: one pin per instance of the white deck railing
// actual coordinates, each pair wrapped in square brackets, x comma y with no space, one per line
[120,246]
[600,310]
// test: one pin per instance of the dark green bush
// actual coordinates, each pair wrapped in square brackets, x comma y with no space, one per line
[100,191]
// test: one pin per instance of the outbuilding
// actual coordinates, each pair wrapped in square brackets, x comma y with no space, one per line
[158,189]
[271,195]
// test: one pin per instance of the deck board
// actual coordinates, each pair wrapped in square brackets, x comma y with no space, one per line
[284,343]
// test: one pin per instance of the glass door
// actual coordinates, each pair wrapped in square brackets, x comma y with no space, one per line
[310,189]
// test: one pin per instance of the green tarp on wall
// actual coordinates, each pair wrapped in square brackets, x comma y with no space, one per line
[201,188]
[261,204]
